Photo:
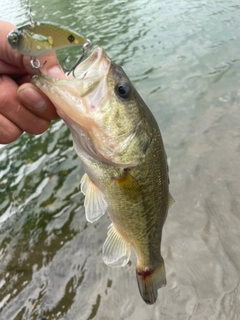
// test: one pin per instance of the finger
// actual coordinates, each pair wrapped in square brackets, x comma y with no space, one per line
[8,57]
[12,109]
[11,62]
[49,66]
[9,132]
[36,102]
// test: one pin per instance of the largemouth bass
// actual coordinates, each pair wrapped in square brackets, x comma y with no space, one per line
[40,38]
[120,145]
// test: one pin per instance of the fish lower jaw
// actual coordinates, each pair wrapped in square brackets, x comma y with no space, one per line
[42,84]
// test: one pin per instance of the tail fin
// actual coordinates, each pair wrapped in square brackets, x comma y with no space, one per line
[149,281]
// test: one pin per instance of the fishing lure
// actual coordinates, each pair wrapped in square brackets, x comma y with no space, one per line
[38,38]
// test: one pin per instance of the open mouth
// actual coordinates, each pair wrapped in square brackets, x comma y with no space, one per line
[73,95]
[96,64]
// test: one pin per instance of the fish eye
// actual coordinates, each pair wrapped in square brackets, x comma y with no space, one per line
[123,89]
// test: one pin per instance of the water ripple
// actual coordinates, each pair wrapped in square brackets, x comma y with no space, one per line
[183,57]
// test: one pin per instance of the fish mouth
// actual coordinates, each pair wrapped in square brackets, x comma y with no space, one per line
[93,68]
[71,95]
[97,63]
[75,98]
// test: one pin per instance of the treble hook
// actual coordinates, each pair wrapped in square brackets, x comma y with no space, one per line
[36,64]
[86,48]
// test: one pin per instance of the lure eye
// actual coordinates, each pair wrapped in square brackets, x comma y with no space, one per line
[123,89]
[13,37]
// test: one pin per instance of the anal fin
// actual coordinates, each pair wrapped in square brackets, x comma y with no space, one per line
[116,251]
[94,202]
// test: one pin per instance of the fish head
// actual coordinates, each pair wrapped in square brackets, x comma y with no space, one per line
[102,109]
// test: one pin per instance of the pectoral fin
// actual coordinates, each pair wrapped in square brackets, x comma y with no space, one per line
[129,186]
[94,203]
[116,251]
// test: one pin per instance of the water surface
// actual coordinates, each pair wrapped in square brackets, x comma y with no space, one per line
[183,57]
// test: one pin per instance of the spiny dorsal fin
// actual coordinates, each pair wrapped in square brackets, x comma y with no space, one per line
[94,203]
[171,201]
[116,251]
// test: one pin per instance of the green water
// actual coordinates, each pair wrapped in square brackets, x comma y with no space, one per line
[184,59]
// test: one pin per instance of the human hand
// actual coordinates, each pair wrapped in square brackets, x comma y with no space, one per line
[23,107]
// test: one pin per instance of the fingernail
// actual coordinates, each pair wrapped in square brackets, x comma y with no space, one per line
[56,72]
[32,98]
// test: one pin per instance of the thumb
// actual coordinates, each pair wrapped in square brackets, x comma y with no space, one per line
[32,97]
[11,61]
